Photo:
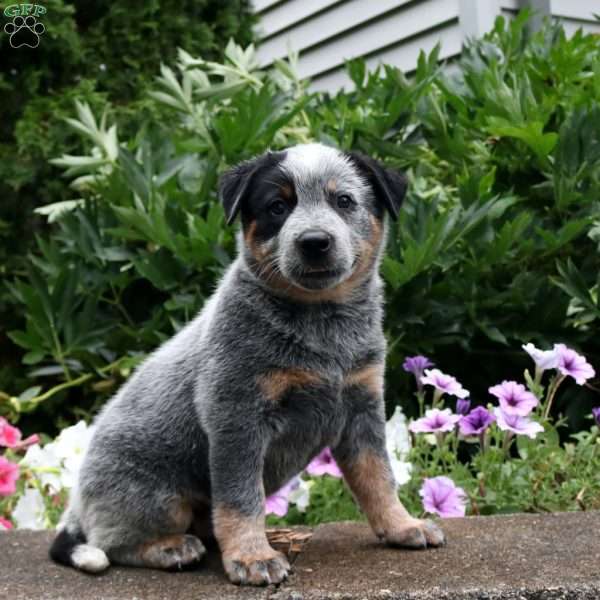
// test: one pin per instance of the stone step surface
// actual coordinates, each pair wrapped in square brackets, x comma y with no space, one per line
[513,557]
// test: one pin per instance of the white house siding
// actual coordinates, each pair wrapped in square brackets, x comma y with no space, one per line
[327,33]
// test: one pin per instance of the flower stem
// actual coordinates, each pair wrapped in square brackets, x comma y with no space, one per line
[552,389]
[537,380]
[421,401]
[506,443]
[65,385]
[482,442]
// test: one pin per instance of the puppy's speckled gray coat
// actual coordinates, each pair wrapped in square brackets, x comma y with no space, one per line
[285,358]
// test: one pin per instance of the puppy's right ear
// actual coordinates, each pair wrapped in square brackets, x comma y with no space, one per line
[235,184]
[234,187]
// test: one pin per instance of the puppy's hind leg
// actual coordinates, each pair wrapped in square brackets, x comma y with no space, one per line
[70,546]
[160,541]
[172,552]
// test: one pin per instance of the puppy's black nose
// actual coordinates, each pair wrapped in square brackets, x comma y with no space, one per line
[314,243]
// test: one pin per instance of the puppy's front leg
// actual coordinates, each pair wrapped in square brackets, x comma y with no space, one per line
[238,499]
[362,457]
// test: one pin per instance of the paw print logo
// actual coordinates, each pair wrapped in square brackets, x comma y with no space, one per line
[24,31]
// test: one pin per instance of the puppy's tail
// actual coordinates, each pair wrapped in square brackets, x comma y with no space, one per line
[69,548]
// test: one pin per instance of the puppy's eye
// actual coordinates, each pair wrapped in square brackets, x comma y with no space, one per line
[344,201]
[277,208]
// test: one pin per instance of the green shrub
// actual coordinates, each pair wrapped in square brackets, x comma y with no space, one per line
[94,52]
[497,244]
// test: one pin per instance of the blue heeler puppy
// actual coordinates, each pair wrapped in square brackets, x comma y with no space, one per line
[286,357]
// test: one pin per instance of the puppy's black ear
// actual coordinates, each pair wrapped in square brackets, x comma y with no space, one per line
[389,185]
[235,184]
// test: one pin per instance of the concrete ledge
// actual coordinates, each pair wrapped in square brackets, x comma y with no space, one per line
[531,557]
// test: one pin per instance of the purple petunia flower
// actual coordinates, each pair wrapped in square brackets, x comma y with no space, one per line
[573,364]
[435,420]
[544,359]
[476,422]
[442,497]
[324,464]
[517,424]
[596,415]
[463,406]
[444,383]
[514,399]
[416,365]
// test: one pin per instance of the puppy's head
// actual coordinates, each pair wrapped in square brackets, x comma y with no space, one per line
[312,216]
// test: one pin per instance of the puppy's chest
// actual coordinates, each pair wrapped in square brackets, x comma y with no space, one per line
[323,361]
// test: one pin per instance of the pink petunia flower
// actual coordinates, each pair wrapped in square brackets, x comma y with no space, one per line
[9,436]
[476,422]
[444,383]
[5,524]
[28,441]
[517,424]
[543,359]
[276,504]
[324,464]
[514,399]
[296,491]
[435,420]
[573,364]
[9,473]
[442,497]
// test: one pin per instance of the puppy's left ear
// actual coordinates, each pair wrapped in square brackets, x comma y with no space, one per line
[389,185]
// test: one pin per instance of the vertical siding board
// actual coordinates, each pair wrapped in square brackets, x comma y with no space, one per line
[477,17]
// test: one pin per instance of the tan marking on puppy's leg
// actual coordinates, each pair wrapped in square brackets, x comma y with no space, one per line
[276,383]
[369,377]
[246,552]
[181,514]
[372,483]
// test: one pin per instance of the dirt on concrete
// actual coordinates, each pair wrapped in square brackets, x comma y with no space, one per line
[516,557]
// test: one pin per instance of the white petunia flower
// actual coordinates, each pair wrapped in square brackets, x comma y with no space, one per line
[402,470]
[397,436]
[29,513]
[544,359]
[71,446]
[397,439]
[73,442]
[300,495]
[45,464]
